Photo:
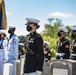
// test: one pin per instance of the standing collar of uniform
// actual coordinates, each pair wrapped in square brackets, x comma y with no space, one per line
[33,33]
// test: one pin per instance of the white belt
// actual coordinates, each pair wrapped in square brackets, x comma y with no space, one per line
[73,54]
[61,54]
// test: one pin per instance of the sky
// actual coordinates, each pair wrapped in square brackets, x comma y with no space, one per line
[18,10]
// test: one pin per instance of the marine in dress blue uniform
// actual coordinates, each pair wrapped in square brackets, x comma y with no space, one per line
[13,48]
[21,50]
[63,44]
[3,50]
[34,49]
[73,43]
[47,52]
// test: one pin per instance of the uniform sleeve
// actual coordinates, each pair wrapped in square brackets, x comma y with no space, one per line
[40,53]
[16,44]
[5,49]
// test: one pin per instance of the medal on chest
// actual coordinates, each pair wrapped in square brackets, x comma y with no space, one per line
[31,40]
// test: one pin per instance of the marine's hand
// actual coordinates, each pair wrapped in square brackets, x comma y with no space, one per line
[38,73]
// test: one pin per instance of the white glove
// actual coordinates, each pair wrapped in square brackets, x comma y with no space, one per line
[38,73]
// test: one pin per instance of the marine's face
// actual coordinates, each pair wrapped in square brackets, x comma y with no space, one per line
[46,46]
[20,47]
[73,35]
[62,34]
[11,30]
[30,27]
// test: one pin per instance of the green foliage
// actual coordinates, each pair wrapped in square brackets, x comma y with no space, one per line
[69,31]
[22,39]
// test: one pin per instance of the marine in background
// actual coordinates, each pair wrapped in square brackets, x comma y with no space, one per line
[21,51]
[73,43]
[47,52]
[63,44]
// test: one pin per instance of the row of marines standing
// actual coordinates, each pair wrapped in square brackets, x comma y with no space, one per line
[66,49]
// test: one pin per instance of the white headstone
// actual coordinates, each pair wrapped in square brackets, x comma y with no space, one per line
[7,69]
[22,59]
